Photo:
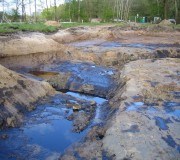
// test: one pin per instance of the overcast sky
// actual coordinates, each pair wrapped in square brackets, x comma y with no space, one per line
[40,3]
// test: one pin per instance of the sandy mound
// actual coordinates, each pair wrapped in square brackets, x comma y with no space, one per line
[52,23]
[165,22]
[28,44]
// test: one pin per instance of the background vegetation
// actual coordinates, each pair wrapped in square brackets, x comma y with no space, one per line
[78,10]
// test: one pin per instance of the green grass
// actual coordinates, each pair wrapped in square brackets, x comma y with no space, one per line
[40,27]
[69,25]
[177,26]
[15,27]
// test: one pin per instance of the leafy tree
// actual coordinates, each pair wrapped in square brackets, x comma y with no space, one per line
[14,15]
[107,10]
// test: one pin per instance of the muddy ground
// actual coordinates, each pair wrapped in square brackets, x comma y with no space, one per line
[135,69]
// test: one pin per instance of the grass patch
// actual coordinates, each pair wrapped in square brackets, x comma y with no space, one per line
[70,25]
[40,27]
[177,27]
[35,27]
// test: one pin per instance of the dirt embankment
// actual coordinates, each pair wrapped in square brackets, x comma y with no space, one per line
[35,49]
[17,94]
[28,50]
[32,50]
[147,123]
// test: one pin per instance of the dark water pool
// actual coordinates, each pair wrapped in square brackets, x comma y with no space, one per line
[46,132]
[112,44]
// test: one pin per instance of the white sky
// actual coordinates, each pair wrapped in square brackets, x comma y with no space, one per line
[40,4]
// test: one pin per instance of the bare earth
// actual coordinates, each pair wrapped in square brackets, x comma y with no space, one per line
[146,122]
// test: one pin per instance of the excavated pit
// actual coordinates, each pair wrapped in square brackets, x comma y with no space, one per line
[98,109]
[64,118]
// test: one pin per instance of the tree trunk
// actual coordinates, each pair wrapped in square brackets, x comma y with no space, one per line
[55,10]
[35,13]
[47,5]
[177,16]
[158,7]
[3,11]
[165,9]
[30,7]
[79,10]
[23,10]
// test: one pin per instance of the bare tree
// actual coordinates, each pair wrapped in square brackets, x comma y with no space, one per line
[23,15]
[177,17]
[35,8]
[3,5]
[30,7]
[165,3]
[79,10]
[47,5]
[121,8]
[55,10]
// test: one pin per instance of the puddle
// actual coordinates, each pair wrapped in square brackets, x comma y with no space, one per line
[172,108]
[140,106]
[135,106]
[171,142]
[43,74]
[109,45]
[137,45]
[88,43]
[162,123]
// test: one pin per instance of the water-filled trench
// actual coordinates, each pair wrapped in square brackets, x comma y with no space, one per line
[57,122]
[46,131]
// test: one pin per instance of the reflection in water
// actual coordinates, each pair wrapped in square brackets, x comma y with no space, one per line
[55,135]
[46,132]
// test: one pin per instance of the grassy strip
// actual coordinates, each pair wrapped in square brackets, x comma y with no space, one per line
[15,27]
[40,27]
[70,25]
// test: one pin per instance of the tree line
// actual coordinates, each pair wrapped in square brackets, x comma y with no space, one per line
[106,10]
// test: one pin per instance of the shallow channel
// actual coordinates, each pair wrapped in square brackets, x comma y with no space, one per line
[104,45]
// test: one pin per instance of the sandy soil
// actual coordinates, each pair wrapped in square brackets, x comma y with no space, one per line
[17,94]
[146,125]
